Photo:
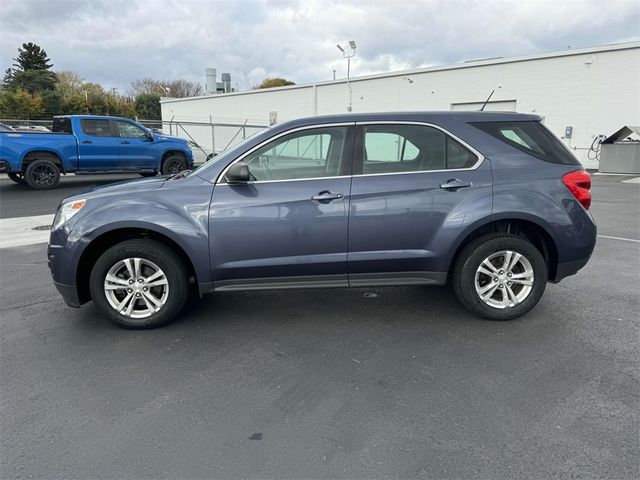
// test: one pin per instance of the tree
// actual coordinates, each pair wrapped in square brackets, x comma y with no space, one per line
[20,104]
[145,85]
[69,83]
[168,88]
[183,88]
[7,79]
[148,106]
[33,81]
[32,57]
[31,71]
[274,82]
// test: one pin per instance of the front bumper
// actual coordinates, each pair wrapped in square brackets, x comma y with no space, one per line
[69,294]
[61,262]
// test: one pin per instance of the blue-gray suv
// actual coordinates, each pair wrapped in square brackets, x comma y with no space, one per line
[490,202]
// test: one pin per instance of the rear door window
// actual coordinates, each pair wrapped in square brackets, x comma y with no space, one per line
[411,148]
[96,127]
[530,137]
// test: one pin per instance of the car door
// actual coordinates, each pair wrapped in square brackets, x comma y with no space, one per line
[288,226]
[136,152]
[415,188]
[98,144]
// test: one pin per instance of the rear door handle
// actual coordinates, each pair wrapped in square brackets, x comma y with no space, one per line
[87,141]
[326,196]
[125,142]
[455,184]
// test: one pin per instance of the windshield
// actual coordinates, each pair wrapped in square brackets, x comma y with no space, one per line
[235,150]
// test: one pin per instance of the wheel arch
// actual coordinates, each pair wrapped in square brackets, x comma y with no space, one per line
[107,239]
[170,152]
[41,154]
[532,230]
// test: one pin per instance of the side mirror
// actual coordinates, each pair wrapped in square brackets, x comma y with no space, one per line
[150,136]
[238,173]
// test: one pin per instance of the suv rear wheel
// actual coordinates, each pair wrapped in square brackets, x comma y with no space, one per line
[139,284]
[500,276]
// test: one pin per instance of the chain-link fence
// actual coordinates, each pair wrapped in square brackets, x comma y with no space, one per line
[30,125]
[207,139]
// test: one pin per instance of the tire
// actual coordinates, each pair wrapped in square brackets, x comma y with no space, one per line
[42,174]
[523,284]
[148,174]
[17,177]
[173,164]
[139,313]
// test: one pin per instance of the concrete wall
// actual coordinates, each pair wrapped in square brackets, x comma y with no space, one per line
[596,91]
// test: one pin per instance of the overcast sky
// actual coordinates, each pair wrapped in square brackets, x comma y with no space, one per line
[116,41]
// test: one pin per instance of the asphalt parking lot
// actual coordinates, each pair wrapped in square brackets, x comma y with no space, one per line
[360,383]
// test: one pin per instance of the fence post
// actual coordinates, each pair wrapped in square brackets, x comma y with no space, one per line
[213,137]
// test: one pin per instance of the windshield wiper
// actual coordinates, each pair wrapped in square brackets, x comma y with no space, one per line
[179,175]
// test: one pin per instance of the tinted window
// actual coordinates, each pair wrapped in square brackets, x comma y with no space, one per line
[129,130]
[411,148]
[459,156]
[530,137]
[307,154]
[61,125]
[96,127]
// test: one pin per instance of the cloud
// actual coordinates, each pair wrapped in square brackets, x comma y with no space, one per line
[116,41]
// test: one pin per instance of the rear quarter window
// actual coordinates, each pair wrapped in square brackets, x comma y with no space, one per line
[530,137]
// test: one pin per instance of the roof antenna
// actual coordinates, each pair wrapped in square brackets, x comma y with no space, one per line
[487,100]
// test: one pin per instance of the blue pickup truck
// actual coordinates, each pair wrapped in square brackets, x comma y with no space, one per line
[89,144]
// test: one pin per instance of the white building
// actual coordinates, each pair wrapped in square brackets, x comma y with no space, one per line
[581,93]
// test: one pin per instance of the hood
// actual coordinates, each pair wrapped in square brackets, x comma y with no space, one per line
[128,186]
[168,138]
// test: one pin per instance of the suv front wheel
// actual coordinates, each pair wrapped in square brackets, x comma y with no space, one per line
[139,284]
[500,276]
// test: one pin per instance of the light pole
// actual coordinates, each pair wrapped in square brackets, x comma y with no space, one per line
[348,56]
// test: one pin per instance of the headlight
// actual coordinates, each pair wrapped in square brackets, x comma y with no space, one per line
[66,211]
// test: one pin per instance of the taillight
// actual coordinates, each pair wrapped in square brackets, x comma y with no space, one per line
[579,184]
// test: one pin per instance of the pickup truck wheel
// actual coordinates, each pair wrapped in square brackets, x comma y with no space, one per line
[17,177]
[500,276]
[173,164]
[42,174]
[139,284]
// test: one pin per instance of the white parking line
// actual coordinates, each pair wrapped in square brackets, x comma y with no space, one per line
[16,232]
[619,238]
[632,180]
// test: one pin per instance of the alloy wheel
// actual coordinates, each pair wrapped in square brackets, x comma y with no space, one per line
[504,279]
[136,288]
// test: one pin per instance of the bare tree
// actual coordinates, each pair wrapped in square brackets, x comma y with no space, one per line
[169,88]
[184,88]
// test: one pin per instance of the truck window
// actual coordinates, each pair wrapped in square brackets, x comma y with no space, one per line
[96,127]
[61,125]
[129,130]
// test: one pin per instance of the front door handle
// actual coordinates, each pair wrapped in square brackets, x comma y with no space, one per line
[326,196]
[455,184]
[125,143]
[87,141]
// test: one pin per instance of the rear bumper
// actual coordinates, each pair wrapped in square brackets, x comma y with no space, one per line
[567,269]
